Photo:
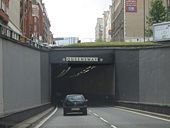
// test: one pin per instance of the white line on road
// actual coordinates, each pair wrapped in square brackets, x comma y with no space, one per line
[96,115]
[138,113]
[47,118]
[112,126]
[104,120]
[101,118]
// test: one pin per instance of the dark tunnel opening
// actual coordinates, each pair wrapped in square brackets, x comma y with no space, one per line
[94,81]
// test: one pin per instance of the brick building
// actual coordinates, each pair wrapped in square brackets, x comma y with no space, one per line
[37,19]
[41,22]
[4,11]
[47,35]
[26,18]
[34,21]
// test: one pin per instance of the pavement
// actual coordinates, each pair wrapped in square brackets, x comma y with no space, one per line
[31,122]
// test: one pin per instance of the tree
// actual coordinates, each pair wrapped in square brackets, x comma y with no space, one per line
[168,13]
[157,14]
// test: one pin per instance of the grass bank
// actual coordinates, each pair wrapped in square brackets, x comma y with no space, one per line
[99,44]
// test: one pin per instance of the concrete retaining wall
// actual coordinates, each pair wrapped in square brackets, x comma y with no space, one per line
[1,78]
[22,81]
[25,77]
[127,75]
[143,76]
[45,77]
[154,72]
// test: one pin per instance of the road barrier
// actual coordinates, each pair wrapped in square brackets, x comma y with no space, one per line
[12,119]
[162,109]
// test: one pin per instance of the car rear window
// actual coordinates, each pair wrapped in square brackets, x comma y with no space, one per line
[76,97]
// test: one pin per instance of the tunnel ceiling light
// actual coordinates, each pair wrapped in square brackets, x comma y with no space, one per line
[84,71]
[93,67]
[78,74]
[61,73]
[89,67]
[64,72]
[81,72]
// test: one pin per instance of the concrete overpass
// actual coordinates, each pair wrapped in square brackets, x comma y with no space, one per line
[31,78]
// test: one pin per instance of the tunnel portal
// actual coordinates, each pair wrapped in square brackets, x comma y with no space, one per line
[90,75]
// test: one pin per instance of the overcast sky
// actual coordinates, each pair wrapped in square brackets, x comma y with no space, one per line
[75,18]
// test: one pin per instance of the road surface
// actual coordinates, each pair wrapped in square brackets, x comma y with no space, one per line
[106,117]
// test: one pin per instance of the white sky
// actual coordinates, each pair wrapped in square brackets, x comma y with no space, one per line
[76,18]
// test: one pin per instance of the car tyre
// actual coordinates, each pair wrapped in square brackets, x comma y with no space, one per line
[64,113]
[85,112]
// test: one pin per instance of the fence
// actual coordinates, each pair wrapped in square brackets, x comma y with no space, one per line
[9,33]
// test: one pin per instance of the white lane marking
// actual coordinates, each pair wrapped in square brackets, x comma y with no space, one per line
[96,115]
[112,126]
[138,113]
[101,118]
[104,120]
[47,118]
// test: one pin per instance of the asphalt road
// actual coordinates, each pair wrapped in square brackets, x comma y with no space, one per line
[106,117]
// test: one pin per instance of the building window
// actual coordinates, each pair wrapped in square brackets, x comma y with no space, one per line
[35,28]
[4,5]
[0,4]
[35,20]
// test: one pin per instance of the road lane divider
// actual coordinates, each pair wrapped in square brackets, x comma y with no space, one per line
[46,119]
[102,119]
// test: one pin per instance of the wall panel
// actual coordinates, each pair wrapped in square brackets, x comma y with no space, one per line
[127,75]
[155,76]
[22,80]
[45,78]
[1,77]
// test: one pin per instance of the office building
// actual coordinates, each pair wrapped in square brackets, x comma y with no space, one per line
[99,30]
[129,19]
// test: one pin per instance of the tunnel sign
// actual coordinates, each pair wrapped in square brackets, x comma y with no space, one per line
[82,59]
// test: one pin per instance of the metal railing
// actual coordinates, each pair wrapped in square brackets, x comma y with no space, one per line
[10,34]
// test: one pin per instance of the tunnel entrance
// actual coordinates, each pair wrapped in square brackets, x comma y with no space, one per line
[94,81]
